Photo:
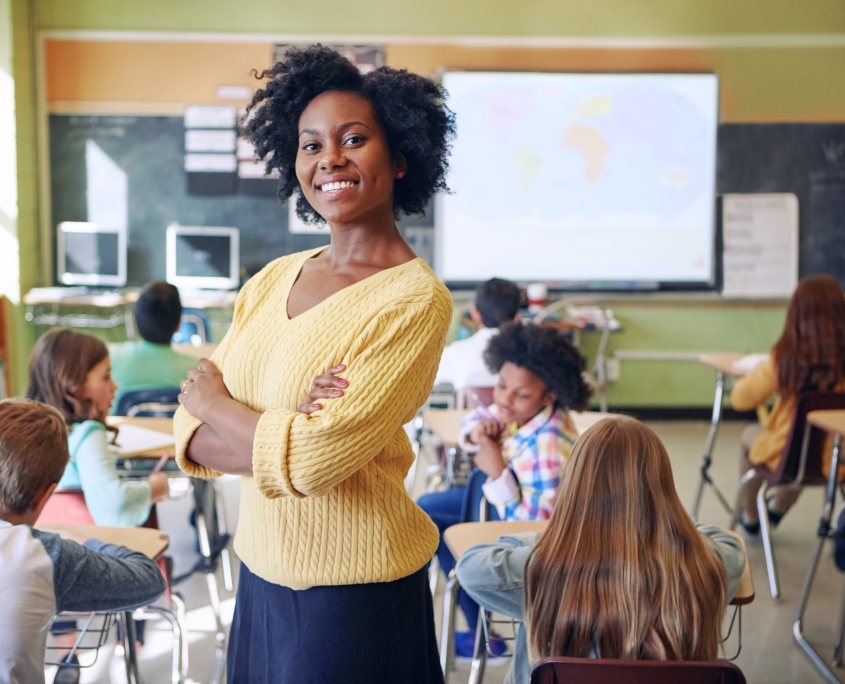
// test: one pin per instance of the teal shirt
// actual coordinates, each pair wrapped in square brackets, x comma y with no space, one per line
[145,366]
[110,500]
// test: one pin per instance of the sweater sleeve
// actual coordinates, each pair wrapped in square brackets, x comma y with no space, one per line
[390,370]
[110,500]
[754,389]
[184,424]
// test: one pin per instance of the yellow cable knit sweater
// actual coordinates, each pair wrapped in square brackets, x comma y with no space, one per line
[326,504]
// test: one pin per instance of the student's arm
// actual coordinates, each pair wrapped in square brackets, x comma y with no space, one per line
[754,389]
[494,574]
[110,500]
[99,576]
[729,550]
[390,370]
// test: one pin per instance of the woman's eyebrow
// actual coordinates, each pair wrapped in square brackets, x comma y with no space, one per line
[342,127]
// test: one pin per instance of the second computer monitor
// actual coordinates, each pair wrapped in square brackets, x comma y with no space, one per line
[202,258]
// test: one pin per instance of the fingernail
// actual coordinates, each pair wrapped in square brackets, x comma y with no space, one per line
[317,406]
[340,366]
[341,382]
[336,392]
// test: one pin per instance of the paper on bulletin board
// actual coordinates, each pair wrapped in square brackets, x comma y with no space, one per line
[760,238]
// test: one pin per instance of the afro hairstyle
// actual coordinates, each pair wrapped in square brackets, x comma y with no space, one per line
[546,353]
[416,122]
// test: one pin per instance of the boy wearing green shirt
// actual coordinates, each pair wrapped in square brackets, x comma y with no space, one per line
[151,363]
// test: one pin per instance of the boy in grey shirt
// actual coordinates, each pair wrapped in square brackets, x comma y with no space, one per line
[42,574]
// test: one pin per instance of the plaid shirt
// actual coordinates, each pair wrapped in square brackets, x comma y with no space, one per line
[535,454]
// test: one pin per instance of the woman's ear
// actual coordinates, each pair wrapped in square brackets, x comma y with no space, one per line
[401,165]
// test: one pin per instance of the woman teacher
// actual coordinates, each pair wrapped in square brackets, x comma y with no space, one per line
[331,351]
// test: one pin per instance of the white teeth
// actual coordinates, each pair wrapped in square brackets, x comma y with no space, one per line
[328,187]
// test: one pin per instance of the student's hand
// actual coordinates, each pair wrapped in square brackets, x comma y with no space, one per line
[486,428]
[489,458]
[325,386]
[203,389]
[159,487]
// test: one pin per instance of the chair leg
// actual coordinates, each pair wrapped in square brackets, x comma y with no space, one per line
[178,609]
[433,569]
[130,652]
[220,512]
[479,656]
[766,534]
[178,668]
[840,632]
[821,536]
[447,631]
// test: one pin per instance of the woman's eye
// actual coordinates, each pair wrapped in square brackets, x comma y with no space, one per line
[354,139]
[310,147]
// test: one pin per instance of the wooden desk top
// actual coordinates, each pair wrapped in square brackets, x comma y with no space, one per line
[723,363]
[164,425]
[152,543]
[461,537]
[446,424]
[203,351]
[830,421]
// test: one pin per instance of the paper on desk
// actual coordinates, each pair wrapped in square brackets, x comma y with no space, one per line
[133,440]
[749,362]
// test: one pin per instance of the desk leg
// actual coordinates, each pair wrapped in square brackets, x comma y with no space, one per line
[821,536]
[447,630]
[707,460]
[130,653]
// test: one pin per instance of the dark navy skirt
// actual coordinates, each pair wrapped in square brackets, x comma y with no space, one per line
[381,633]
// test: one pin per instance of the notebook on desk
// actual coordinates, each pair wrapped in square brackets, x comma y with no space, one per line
[133,440]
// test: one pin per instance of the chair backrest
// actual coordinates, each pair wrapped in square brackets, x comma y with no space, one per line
[790,461]
[159,403]
[66,507]
[466,397]
[194,322]
[606,671]
[474,498]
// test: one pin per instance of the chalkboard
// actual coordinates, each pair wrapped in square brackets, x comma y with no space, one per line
[805,159]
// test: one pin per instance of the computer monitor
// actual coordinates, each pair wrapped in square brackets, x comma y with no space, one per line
[202,258]
[91,255]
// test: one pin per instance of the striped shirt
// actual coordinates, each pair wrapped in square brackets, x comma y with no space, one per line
[534,455]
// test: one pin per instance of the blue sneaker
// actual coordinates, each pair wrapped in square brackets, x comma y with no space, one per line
[465,645]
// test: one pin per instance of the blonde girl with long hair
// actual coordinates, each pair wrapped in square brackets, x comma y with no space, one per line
[621,571]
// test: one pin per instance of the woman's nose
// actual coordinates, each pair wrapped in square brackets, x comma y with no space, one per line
[333,157]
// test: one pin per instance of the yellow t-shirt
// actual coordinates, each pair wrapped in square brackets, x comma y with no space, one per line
[326,504]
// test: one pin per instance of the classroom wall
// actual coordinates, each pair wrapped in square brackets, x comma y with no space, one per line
[780,61]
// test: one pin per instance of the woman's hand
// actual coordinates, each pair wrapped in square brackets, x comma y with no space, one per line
[325,386]
[203,389]
[489,458]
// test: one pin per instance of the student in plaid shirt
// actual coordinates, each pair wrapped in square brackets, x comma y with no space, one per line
[522,441]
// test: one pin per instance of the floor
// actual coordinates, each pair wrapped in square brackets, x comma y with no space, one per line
[768,651]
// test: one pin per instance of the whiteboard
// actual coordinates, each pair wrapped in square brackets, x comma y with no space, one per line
[760,244]
[580,178]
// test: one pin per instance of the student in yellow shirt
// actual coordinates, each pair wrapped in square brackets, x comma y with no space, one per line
[809,356]
[331,351]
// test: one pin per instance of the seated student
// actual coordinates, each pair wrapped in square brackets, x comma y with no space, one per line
[462,365]
[809,356]
[42,574]
[621,572]
[71,372]
[152,363]
[521,442]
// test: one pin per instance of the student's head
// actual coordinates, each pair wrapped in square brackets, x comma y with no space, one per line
[537,367]
[810,354]
[383,134]
[158,312]
[33,455]
[621,569]
[72,373]
[496,302]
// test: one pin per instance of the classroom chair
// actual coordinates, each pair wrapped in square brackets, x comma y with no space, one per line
[152,403]
[476,508]
[561,670]
[800,464]
[194,323]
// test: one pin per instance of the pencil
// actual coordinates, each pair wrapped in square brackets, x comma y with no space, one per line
[161,462]
[484,408]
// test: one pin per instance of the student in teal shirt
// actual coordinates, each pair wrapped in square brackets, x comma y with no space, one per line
[151,363]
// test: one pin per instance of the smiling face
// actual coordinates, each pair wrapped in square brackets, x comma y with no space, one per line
[520,395]
[99,387]
[343,162]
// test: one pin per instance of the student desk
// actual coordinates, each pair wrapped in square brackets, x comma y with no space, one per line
[152,543]
[832,422]
[725,369]
[459,538]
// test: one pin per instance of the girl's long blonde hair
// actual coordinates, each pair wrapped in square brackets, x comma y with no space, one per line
[621,572]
